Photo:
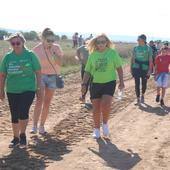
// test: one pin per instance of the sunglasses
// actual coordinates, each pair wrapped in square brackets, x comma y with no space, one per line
[49,40]
[101,42]
[17,43]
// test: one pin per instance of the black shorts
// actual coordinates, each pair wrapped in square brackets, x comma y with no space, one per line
[97,90]
[20,104]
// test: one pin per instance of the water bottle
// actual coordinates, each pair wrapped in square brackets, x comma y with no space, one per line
[120,94]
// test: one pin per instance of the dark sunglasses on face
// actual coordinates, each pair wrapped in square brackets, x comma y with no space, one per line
[50,41]
[17,43]
[100,42]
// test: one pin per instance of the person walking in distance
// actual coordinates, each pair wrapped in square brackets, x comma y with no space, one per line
[82,56]
[141,66]
[75,40]
[162,63]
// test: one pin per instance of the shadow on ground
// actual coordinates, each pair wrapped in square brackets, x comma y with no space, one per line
[40,152]
[114,157]
[160,111]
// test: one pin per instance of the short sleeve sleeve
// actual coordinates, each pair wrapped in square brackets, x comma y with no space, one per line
[169,59]
[59,51]
[156,59]
[134,52]
[35,62]
[117,60]
[150,53]
[88,67]
[3,65]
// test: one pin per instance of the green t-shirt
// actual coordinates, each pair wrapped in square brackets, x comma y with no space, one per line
[20,71]
[102,65]
[142,54]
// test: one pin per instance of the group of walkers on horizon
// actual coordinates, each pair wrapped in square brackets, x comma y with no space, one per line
[25,74]
[79,40]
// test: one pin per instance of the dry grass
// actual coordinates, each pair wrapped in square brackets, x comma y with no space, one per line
[124,49]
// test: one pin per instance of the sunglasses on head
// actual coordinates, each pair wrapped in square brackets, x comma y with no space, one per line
[17,43]
[100,42]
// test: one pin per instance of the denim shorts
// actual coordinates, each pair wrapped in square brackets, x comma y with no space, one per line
[162,80]
[49,81]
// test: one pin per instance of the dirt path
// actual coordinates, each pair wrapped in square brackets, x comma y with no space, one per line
[140,137]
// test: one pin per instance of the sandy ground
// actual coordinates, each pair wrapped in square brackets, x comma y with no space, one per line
[140,135]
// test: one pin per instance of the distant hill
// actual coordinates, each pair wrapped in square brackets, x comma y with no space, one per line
[9,30]
[121,38]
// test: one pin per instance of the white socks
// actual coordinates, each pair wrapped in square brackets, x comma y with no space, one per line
[96,132]
[105,130]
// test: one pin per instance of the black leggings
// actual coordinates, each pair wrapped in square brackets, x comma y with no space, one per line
[20,104]
[138,80]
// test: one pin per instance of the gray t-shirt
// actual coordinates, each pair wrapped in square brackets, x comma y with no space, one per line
[83,54]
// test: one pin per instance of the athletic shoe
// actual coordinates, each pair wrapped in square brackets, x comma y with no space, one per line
[42,130]
[96,133]
[142,99]
[162,102]
[33,130]
[14,142]
[138,101]
[157,98]
[23,140]
[105,130]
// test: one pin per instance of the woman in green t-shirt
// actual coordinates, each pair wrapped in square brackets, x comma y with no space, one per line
[102,65]
[141,66]
[20,72]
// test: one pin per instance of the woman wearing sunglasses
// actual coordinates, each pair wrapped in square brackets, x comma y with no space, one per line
[50,56]
[20,71]
[141,67]
[102,65]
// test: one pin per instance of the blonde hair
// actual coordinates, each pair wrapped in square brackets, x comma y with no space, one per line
[92,44]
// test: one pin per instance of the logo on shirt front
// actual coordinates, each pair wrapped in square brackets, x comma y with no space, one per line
[101,64]
[17,68]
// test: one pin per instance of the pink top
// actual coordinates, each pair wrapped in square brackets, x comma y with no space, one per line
[53,55]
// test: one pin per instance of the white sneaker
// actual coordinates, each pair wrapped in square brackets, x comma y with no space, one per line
[105,130]
[96,133]
[33,130]
[42,130]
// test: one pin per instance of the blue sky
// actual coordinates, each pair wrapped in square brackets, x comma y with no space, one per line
[117,17]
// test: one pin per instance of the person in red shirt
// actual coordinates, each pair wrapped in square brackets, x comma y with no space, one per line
[162,63]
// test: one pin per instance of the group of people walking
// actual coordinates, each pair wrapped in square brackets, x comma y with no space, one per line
[147,60]
[79,40]
[25,74]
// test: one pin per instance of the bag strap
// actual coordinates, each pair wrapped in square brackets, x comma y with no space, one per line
[49,60]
